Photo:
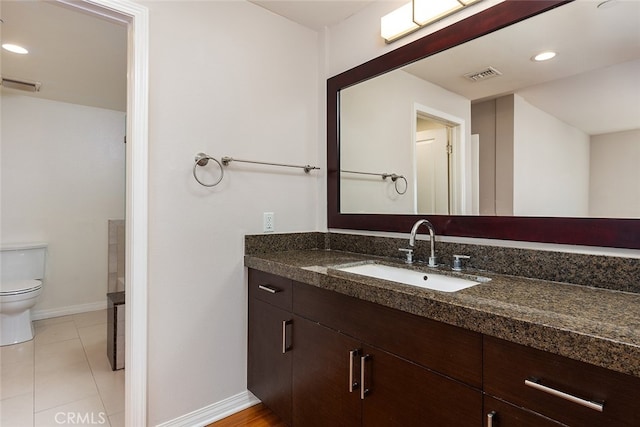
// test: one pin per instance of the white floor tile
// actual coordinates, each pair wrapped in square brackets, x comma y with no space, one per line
[63,371]
[90,318]
[65,385]
[53,356]
[117,420]
[111,389]
[17,411]
[16,353]
[48,333]
[16,379]
[84,412]
[95,334]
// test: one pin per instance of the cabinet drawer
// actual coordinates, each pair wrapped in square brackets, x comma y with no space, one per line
[503,414]
[508,365]
[450,350]
[270,288]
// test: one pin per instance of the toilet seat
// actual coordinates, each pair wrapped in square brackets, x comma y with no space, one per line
[18,287]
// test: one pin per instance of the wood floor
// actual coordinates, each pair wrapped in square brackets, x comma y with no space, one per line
[255,416]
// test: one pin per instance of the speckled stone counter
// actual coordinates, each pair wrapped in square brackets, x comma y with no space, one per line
[593,325]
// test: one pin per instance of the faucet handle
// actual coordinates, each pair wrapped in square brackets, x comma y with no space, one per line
[409,252]
[457,262]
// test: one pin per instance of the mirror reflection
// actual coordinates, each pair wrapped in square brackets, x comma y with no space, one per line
[483,129]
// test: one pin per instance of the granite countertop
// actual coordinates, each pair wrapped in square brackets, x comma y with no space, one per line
[593,325]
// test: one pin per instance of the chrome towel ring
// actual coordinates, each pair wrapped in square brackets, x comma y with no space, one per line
[202,159]
[395,178]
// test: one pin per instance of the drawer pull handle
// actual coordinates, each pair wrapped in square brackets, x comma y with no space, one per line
[490,416]
[269,288]
[363,361]
[353,385]
[597,406]
[285,347]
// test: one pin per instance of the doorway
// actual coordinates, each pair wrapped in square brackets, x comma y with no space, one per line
[443,157]
[136,17]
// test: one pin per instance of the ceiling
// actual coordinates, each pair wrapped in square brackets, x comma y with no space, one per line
[592,84]
[314,14]
[80,58]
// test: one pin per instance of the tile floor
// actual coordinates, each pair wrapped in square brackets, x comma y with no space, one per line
[62,376]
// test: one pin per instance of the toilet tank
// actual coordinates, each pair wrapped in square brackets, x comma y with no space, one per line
[22,261]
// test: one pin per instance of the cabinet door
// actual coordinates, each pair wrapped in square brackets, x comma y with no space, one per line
[321,377]
[269,356]
[502,414]
[401,393]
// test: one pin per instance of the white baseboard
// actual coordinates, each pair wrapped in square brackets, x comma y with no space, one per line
[65,311]
[215,411]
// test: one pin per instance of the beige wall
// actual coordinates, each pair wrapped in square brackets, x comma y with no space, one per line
[615,175]
[551,165]
[376,137]
[62,179]
[231,79]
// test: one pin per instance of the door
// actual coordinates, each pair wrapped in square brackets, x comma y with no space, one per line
[432,171]
[269,356]
[325,368]
[400,393]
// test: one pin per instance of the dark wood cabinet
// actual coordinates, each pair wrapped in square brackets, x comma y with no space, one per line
[270,358]
[401,393]
[322,366]
[571,392]
[321,358]
[328,388]
[310,349]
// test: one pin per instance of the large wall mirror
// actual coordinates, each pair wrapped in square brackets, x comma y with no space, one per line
[465,128]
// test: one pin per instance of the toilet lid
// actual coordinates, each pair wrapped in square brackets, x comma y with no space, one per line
[14,287]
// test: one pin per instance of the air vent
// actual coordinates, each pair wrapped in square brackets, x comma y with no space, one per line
[26,85]
[485,74]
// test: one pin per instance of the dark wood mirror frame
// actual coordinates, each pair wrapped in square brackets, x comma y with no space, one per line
[618,233]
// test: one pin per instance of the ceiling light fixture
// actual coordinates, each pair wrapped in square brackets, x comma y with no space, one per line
[15,48]
[417,14]
[544,56]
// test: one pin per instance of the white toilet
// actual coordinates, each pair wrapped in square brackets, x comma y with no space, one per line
[21,275]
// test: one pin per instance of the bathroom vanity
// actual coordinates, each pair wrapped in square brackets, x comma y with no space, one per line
[333,348]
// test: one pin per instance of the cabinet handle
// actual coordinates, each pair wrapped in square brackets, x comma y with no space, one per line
[353,385]
[534,383]
[285,347]
[269,288]
[490,416]
[363,389]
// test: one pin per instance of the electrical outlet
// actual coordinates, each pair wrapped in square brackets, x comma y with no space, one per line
[268,224]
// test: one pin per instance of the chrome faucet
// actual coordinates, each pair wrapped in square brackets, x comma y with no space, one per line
[432,240]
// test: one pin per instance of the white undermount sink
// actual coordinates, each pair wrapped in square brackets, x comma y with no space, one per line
[434,281]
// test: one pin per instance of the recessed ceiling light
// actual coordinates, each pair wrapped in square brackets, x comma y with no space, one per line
[544,56]
[15,48]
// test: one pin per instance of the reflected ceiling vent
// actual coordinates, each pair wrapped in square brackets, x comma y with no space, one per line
[487,73]
[26,85]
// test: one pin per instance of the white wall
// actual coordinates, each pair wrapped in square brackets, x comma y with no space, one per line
[62,179]
[550,165]
[379,138]
[230,79]
[615,175]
